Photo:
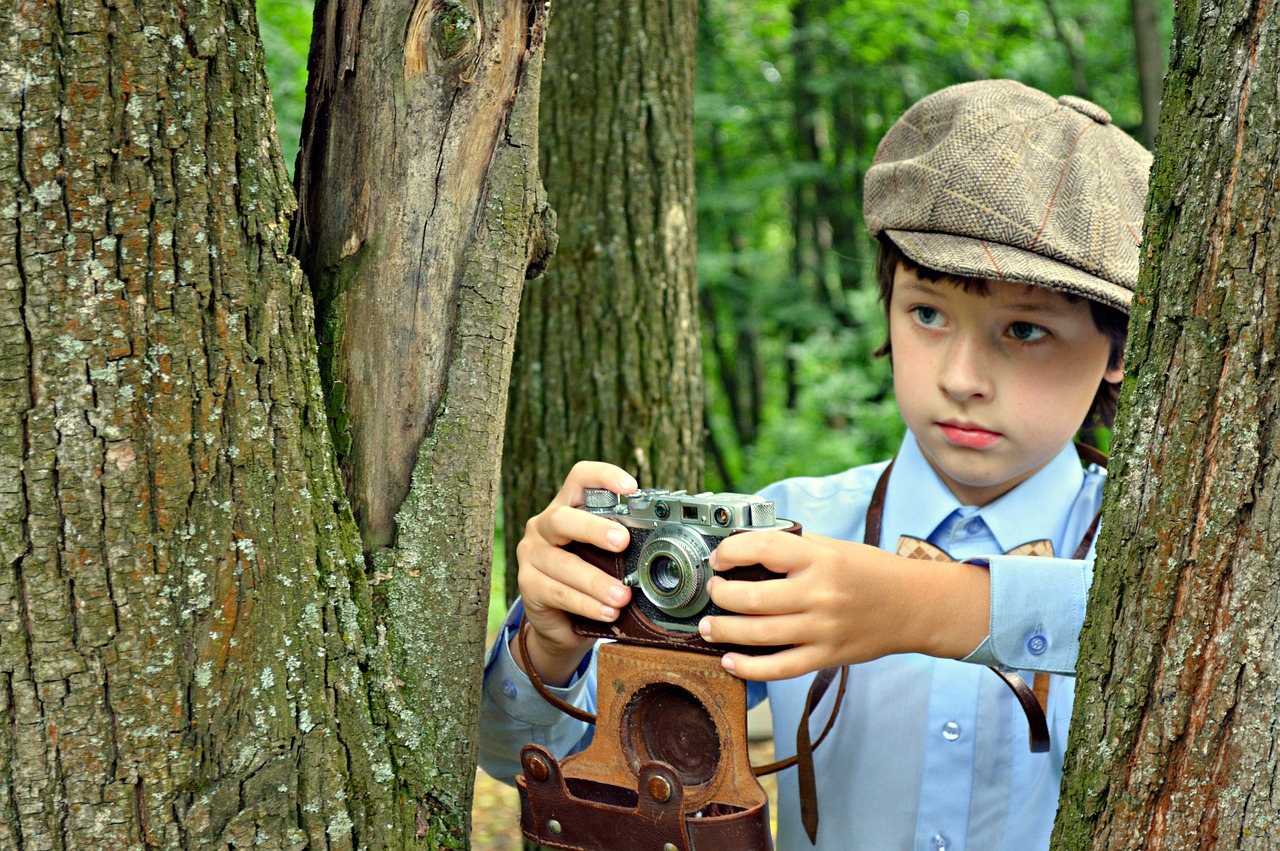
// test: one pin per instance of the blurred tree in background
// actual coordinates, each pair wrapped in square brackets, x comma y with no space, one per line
[607,364]
[792,98]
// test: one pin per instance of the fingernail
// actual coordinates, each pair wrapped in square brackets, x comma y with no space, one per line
[617,538]
[618,594]
[627,483]
[727,662]
[712,561]
[704,628]
[607,614]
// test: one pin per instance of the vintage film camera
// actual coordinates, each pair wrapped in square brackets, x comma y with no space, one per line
[667,769]
[667,562]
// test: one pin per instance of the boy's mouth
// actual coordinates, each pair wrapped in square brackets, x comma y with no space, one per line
[968,436]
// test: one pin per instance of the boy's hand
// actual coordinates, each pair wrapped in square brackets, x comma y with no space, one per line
[554,583]
[841,603]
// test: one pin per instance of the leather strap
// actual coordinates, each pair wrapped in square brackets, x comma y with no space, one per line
[803,759]
[1091,454]
[1032,707]
[569,709]
[817,690]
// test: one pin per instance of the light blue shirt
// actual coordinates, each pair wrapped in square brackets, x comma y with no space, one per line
[926,754]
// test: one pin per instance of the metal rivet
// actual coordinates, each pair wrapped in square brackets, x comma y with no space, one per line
[659,790]
[669,846]
[537,768]
[554,827]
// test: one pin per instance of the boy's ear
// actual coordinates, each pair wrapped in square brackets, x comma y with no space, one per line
[1114,375]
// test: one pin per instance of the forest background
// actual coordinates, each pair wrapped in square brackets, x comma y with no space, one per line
[791,99]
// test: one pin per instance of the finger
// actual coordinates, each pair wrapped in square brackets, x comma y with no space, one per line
[593,474]
[782,665]
[759,597]
[755,631]
[559,579]
[562,524]
[781,552]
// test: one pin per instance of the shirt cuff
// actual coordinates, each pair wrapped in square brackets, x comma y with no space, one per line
[511,690]
[983,655]
[1037,611]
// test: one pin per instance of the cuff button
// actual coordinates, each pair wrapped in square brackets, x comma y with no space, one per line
[1037,644]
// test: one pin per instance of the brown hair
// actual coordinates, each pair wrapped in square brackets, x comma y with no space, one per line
[1113,323]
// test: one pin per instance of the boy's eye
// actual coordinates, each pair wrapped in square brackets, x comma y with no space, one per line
[1026,332]
[927,316]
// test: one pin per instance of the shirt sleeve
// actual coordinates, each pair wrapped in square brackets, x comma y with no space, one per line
[513,714]
[1037,612]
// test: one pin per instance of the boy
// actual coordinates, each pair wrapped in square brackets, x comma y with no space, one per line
[1009,225]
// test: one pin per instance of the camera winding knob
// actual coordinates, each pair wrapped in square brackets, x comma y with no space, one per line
[599,498]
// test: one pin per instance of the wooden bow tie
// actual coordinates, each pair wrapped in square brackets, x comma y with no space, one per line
[909,547]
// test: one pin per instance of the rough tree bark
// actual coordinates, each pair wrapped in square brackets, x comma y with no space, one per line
[182,649]
[1174,741]
[421,212]
[608,364]
[192,652]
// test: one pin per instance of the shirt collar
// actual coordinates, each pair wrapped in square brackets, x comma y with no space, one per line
[1039,507]
[917,501]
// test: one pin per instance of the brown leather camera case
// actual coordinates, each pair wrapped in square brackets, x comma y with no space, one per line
[667,769]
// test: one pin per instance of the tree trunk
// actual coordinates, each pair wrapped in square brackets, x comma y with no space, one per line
[183,646]
[607,362]
[191,655]
[421,214]
[1174,741]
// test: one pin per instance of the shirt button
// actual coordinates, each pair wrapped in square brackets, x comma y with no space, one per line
[1037,644]
[974,526]
[951,731]
[509,688]
[938,842]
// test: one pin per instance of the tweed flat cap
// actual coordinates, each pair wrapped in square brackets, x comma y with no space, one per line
[997,180]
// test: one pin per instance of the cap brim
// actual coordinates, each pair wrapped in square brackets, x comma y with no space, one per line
[977,258]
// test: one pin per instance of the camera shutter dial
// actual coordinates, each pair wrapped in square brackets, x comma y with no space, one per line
[673,570]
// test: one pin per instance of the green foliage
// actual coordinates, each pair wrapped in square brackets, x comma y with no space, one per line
[285,26]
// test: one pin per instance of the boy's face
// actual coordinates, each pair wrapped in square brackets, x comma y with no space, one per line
[992,386]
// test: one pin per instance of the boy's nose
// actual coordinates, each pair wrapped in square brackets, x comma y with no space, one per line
[965,371]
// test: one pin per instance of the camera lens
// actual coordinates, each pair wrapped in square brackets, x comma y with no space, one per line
[672,570]
[665,574]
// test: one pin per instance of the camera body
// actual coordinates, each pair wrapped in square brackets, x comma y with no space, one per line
[667,562]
